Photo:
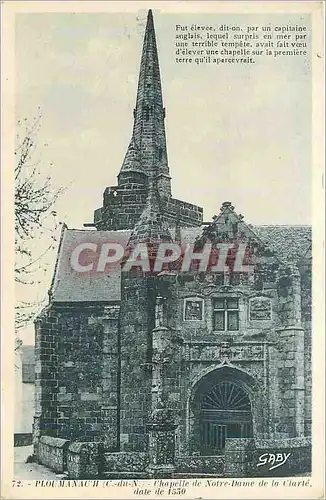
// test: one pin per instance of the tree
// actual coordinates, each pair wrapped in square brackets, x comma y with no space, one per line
[35,218]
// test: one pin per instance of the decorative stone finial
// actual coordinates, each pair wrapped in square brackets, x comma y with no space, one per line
[227,204]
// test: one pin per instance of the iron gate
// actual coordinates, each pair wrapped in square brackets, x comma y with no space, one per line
[225,412]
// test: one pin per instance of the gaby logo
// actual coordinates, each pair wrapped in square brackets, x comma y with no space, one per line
[101,257]
[275,459]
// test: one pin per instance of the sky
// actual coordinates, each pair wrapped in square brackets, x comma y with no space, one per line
[239,133]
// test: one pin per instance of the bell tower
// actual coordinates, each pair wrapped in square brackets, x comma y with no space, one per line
[146,155]
[136,323]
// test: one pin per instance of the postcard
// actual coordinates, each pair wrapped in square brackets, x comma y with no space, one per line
[162,265]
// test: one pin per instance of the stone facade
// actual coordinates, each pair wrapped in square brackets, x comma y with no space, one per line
[123,205]
[166,367]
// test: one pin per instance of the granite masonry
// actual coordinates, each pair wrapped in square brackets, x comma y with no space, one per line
[174,374]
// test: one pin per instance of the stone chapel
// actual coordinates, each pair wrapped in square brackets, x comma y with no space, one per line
[160,375]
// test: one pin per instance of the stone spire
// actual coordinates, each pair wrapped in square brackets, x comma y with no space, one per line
[147,153]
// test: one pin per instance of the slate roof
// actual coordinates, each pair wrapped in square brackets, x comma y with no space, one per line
[71,286]
[289,242]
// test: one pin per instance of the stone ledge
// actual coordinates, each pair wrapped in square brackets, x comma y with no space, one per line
[54,442]
[83,460]
[52,452]
[297,442]
[235,444]
[255,457]
[125,462]
[192,464]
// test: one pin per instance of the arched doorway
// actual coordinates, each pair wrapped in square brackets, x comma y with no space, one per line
[221,408]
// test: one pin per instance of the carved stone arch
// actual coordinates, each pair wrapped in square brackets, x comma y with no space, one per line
[241,385]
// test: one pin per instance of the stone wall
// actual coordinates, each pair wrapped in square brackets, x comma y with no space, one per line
[46,383]
[52,452]
[200,465]
[83,460]
[243,456]
[298,462]
[136,323]
[206,289]
[272,346]
[290,365]
[125,462]
[123,205]
[248,350]
[307,378]
[305,271]
[76,372]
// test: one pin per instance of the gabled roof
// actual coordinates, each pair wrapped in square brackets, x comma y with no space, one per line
[290,243]
[287,243]
[72,286]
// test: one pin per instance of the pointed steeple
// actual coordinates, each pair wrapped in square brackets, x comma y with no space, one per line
[147,153]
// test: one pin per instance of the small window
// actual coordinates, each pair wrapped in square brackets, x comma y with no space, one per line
[226,314]
[146,113]
[193,309]
[219,304]
[233,320]
[219,321]
[232,303]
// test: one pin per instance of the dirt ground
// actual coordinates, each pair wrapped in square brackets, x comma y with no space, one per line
[22,470]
